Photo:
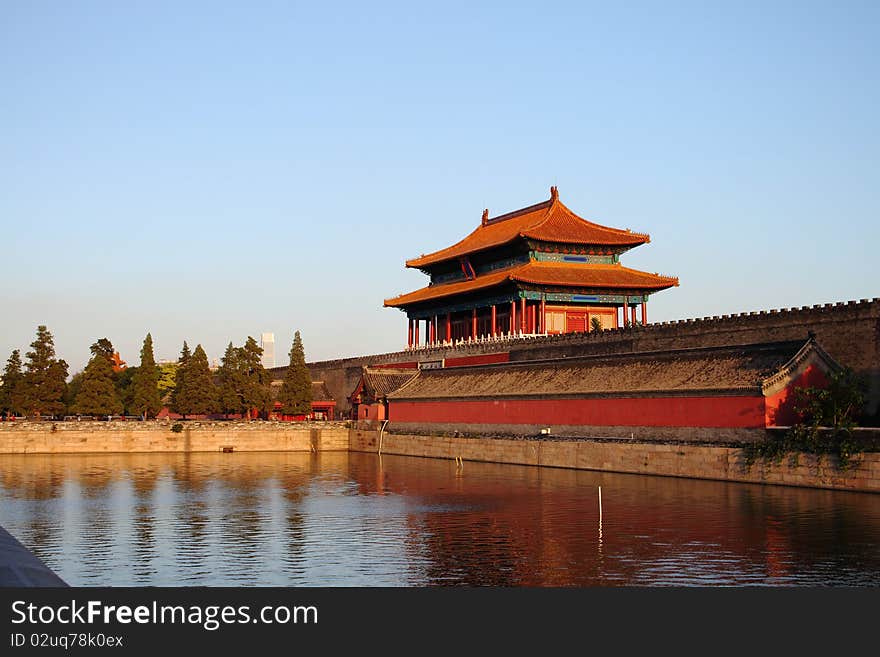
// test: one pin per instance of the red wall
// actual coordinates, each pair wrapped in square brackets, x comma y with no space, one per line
[483,359]
[371,412]
[780,407]
[628,412]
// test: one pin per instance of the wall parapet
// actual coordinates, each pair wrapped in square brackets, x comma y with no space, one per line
[608,335]
[849,331]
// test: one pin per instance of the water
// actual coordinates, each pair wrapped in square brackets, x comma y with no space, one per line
[339,519]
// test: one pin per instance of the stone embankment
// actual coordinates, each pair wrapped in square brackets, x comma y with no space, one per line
[158,436]
[725,462]
[680,459]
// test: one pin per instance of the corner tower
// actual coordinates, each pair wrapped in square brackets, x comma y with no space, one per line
[540,270]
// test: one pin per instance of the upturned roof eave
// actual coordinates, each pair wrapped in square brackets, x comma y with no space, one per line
[395,302]
[425,262]
[528,232]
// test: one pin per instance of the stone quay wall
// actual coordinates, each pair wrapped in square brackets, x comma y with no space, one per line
[724,463]
[104,437]
[850,331]
[669,458]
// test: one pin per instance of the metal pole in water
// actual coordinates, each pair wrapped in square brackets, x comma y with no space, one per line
[600,513]
[381,432]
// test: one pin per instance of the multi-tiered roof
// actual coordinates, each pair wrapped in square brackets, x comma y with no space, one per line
[545,227]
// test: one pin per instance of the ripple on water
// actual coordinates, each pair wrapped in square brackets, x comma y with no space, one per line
[355,520]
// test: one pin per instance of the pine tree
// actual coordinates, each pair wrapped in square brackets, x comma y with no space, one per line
[71,391]
[244,382]
[98,393]
[125,388]
[104,347]
[257,392]
[196,394]
[167,381]
[44,377]
[145,383]
[229,377]
[179,379]
[12,390]
[296,390]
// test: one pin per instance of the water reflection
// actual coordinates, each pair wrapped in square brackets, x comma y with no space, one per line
[338,519]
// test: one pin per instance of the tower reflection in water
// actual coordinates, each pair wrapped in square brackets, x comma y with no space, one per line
[339,519]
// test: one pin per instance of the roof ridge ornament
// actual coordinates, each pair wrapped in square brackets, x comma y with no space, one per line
[485,219]
[554,193]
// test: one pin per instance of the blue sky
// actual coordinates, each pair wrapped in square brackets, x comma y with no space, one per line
[209,171]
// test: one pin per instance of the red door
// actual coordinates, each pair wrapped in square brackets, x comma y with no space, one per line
[575,322]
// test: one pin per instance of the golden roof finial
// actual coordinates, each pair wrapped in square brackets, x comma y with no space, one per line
[554,193]
[485,219]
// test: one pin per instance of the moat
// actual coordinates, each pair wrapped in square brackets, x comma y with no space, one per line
[353,519]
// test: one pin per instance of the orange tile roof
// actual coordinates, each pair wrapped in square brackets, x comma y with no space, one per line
[606,277]
[550,221]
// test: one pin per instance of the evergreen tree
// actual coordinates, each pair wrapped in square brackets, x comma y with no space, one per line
[102,347]
[229,377]
[98,393]
[145,383]
[179,379]
[244,382]
[196,394]
[44,377]
[12,389]
[125,388]
[167,381]
[296,390]
[257,393]
[71,390]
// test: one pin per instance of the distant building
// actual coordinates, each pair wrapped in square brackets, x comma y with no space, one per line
[267,342]
[118,363]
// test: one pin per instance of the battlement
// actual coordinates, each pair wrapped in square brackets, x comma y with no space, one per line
[832,311]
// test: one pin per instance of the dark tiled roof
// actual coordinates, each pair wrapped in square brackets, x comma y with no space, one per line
[550,221]
[380,381]
[731,370]
[319,390]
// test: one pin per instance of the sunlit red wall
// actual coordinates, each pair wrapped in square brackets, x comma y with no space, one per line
[483,359]
[739,412]
[780,407]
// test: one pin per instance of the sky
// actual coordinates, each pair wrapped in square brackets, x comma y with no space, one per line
[206,171]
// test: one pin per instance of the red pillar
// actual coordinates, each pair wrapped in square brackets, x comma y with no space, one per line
[417,332]
[644,313]
[533,318]
[512,317]
[448,326]
[543,315]
[633,315]
[522,315]
[494,321]
[409,333]
[474,324]
[431,324]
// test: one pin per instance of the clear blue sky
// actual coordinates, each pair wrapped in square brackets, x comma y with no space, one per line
[208,171]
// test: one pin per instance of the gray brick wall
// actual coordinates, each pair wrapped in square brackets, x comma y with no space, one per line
[850,331]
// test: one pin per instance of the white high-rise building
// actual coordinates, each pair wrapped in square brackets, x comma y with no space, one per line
[267,342]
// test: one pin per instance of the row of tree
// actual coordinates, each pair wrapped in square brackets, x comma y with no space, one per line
[241,385]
